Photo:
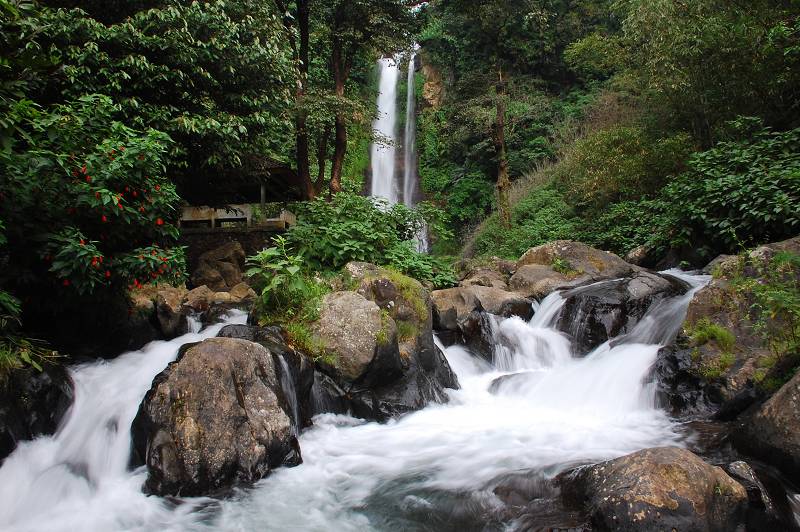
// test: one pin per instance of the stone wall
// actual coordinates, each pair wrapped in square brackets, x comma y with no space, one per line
[199,241]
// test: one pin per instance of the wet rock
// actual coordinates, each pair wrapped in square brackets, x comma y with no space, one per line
[681,390]
[242,293]
[32,404]
[450,305]
[200,299]
[594,314]
[640,256]
[761,514]
[477,331]
[656,489]
[300,365]
[773,432]
[564,264]
[215,417]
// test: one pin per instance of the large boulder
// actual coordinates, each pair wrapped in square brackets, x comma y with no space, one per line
[377,356]
[564,264]
[656,489]
[217,416]
[360,340]
[773,432]
[220,269]
[596,313]
[32,404]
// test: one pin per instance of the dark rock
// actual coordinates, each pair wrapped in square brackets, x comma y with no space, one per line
[215,417]
[32,404]
[596,313]
[220,269]
[773,432]
[761,514]
[680,389]
[477,332]
[656,489]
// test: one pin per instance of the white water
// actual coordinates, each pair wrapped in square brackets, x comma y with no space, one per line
[410,138]
[384,153]
[556,411]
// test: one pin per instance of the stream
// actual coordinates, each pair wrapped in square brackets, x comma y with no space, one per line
[538,410]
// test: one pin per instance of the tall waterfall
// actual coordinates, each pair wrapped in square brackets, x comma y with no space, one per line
[384,149]
[410,139]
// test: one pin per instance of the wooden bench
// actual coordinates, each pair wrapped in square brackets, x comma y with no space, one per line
[211,218]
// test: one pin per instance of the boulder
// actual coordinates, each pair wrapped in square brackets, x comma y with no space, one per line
[773,432]
[220,269]
[361,341]
[596,313]
[656,489]
[169,310]
[564,264]
[199,299]
[762,514]
[32,404]
[477,332]
[242,293]
[378,358]
[451,305]
[487,277]
[217,416]
[300,365]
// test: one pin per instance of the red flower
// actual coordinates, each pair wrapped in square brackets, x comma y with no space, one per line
[83,242]
[103,218]
[88,179]
[108,274]
[97,195]
[120,205]
[83,169]
[135,193]
[159,222]
[158,187]
[65,282]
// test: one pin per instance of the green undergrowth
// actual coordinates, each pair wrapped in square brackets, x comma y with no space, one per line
[705,331]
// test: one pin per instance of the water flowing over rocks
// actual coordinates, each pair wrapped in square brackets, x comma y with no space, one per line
[596,313]
[656,489]
[215,417]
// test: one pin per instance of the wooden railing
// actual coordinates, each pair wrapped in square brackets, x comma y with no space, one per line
[233,217]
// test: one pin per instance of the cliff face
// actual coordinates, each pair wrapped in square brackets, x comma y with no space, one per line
[433,90]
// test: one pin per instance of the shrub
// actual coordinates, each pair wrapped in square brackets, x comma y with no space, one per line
[349,227]
[705,331]
[739,193]
[541,216]
[85,198]
[618,164]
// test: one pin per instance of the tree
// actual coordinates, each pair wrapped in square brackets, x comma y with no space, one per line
[214,76]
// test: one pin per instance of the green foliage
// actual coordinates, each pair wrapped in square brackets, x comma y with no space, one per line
[287,292]
[563,266]
[406,331]
[618,164]
[627,225]
[705,331]
[329,234]
[540,217]
[215,76]
[739,193]
[86,200]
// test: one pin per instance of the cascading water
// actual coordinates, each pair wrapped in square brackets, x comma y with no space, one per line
[384,150]
[538,410]
[410,139]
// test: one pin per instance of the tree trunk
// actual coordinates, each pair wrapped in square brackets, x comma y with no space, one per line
[322,158]
[340,126]
[503,182]
[301,132]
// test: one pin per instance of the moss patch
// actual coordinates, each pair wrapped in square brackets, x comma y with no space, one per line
[705,331]
[406,330]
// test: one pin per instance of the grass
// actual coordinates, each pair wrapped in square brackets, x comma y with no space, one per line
[383,338]
[302,339]
[406,330]
[705,331]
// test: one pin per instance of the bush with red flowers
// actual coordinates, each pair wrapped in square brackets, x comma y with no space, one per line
[85,200]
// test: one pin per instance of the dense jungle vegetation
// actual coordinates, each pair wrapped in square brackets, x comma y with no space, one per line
[655,124]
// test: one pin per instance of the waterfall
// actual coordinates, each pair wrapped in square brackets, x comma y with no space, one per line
[410,138]
[384,148]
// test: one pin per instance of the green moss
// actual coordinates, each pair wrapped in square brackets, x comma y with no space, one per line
[411,292]
[303,339]
[563,266]
[406,330]
[705,331]
[383,337]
